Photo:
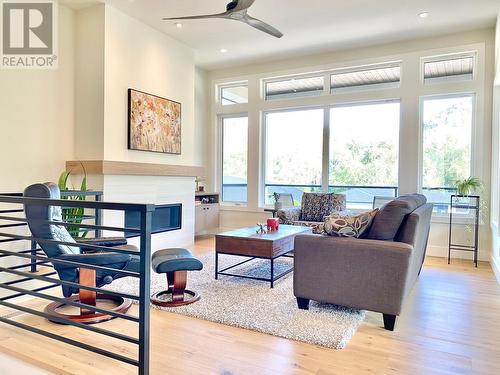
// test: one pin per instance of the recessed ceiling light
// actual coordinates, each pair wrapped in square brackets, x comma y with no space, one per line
[178,25]
[423,14]
[223,50]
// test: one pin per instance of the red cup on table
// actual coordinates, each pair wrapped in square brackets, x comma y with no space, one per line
[272,224]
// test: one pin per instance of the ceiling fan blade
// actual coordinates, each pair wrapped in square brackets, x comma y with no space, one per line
[218,15]
[262,26]
[242,5]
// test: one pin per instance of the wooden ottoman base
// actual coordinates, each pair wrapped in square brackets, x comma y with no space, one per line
[177,289]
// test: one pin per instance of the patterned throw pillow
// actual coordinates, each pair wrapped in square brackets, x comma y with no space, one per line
[315,206]
[347,225]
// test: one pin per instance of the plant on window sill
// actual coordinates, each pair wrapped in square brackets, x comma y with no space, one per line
[277,204]
[466,188]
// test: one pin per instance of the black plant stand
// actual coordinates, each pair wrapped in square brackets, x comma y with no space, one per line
[464,202]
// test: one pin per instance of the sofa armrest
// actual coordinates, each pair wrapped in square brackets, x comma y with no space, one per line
[289,214]
[359,273]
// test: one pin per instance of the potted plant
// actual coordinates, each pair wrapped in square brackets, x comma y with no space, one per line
[277,204]
[468,186]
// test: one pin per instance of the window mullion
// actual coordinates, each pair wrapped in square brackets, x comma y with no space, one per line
[325,177]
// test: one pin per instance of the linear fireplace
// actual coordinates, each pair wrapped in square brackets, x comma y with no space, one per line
[166,217]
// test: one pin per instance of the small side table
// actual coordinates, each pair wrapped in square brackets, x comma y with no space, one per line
[466,202]
[274,211]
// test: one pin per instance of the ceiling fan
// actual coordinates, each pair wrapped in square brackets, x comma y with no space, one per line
[237,10]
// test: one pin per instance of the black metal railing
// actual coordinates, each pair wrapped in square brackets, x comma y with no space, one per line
[355,194]
[24,247]
[361,195]
[95,215]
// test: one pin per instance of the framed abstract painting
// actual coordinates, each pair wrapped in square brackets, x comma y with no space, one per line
[154,123]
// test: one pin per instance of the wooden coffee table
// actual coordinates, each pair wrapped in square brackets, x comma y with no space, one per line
[246,242]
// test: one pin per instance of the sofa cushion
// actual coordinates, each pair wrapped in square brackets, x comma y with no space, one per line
[345,224]
[315,206]
[387,221]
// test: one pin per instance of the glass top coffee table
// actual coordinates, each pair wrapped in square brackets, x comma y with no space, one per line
[246,242]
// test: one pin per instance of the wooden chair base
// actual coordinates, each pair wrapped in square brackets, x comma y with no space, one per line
[176,282]
[158,301]
[88,316]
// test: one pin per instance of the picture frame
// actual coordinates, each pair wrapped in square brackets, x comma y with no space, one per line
[154,123]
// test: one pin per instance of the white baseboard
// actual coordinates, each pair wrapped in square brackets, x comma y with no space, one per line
[495,265]
[442,252]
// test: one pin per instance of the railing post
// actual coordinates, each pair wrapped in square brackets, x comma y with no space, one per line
[33,261]
[144,290]
[97,214]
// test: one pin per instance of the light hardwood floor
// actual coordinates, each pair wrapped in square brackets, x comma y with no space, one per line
[450,325]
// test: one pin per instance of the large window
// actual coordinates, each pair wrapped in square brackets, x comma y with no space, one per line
[337,129]
[447,133]
[293,152]
[364,143]
[234,158]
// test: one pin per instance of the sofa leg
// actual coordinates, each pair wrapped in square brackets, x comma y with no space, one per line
[389,322]
[303,303]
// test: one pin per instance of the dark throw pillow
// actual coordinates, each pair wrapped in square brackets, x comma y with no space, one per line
[386,223]
[315,206]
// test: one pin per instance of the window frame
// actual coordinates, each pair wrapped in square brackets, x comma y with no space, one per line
[410,90]
[473,155]
[220,153]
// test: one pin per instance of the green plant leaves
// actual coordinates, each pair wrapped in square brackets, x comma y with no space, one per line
[73,215]
[468,186]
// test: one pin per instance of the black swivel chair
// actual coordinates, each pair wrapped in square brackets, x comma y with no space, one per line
[37,217]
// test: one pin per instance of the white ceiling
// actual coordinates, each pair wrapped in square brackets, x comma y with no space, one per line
[310,26]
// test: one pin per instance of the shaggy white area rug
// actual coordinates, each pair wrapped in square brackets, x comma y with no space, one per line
[254,305]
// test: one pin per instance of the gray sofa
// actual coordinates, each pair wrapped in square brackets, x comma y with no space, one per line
[373,273]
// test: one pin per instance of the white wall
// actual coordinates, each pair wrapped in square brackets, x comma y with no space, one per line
[202,106]
[126,53]
[37,127]
[140,57]
[495,160]
[37,109]
[89,83]
[409,53]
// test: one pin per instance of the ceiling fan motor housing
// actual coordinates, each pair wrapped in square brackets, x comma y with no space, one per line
[231,5]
